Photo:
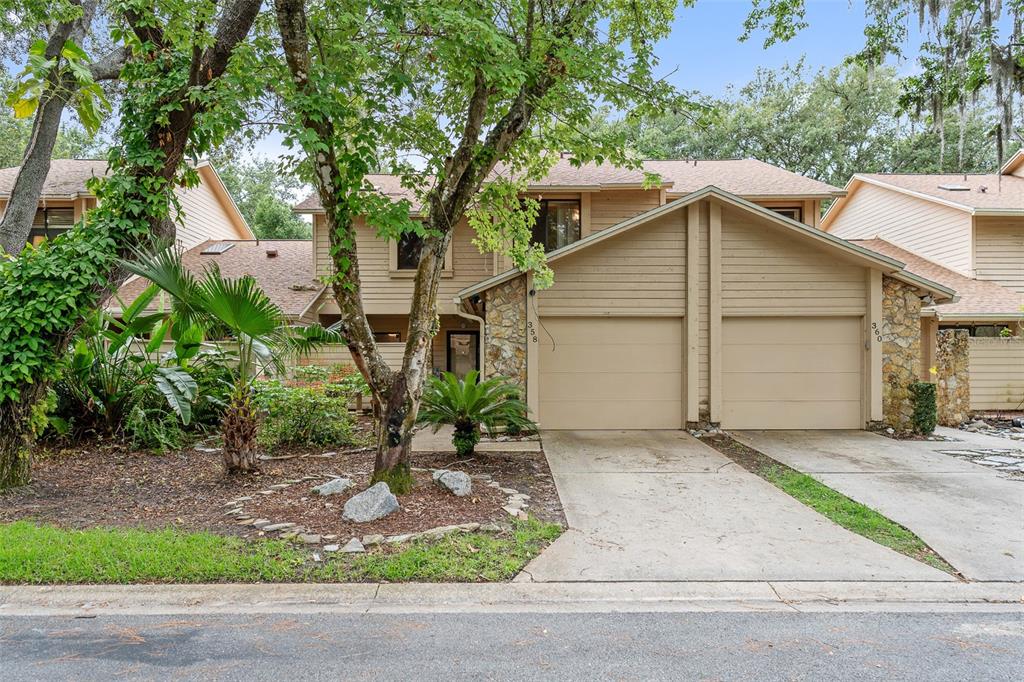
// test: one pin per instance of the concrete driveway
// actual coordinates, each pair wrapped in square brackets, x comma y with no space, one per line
[662,506]
[968,513]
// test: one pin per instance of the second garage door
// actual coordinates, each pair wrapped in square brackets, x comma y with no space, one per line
[792,373]
[611,373]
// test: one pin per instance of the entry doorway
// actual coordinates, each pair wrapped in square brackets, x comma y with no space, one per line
[463,350]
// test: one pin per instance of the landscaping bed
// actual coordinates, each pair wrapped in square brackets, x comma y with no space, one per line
[103,485]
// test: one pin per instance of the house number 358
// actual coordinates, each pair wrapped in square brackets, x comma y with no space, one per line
[532,332]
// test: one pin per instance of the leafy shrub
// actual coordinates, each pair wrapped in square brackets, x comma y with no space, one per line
[925,411]
[467,404]
[310,374]
[303,415]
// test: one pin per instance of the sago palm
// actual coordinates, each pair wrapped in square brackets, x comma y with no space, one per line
[241,310]
[467,404]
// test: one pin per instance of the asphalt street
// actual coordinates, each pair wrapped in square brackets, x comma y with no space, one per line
[521,646]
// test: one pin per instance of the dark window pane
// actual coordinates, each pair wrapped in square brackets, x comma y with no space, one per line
[48,223]
[387,337]
[409,251]
[558,224]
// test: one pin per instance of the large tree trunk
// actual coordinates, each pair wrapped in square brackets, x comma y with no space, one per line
[173,140]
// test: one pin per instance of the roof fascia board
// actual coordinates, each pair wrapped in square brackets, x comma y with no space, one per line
[1008,212]
[980,317]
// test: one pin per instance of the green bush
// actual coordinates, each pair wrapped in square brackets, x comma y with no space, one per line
[301,415]
[925,410]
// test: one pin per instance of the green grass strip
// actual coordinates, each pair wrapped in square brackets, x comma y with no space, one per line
[39,554]
[852,515]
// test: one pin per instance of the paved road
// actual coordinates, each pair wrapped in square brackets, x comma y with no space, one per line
[720,646]
[661,505]
[970,514]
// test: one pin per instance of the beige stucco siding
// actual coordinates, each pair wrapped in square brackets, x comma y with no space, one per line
[388,293]
[939,233]
[999,251]
[766,272]
[611,207]
[205,217]
[642,272]
[997,373]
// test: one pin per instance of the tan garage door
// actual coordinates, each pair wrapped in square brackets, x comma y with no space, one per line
[792,373]
[611,373]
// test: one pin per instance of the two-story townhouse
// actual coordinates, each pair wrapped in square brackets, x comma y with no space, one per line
[208,210]
[967,232]
[711,296]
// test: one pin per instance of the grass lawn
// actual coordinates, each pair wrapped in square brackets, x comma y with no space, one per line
[38,554]
[835,506]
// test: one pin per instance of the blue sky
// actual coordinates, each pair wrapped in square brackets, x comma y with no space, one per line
[705,54]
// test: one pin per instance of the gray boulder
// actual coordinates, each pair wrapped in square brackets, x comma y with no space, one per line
[455,482]
[334,486]
[374,503]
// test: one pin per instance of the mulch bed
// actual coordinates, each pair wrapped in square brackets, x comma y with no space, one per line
[106,484]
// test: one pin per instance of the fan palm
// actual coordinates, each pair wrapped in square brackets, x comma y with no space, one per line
[467,404]
[239,309]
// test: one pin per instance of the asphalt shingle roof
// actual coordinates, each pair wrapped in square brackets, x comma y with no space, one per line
[287,278]
[1000,191]
[67,177]
[977,297]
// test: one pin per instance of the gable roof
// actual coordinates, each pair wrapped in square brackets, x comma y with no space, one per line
[977,298]
[287,278]
[744,177]
[866,256]
[68,178]
[987,194]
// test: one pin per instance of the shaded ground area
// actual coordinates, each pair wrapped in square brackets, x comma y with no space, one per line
[661,505]
[105,484]
[970,514]
[524,646]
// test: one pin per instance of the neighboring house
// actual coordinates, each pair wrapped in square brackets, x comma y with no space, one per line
[209,211]
[965,231]
[711,297]
[283,268]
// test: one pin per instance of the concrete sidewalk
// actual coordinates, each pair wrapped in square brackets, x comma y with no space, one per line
[970,514]
[97,600]
[661,505]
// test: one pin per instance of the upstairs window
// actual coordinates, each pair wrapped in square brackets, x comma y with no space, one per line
[409,245]
[558,223]
[51,222]
[792,212]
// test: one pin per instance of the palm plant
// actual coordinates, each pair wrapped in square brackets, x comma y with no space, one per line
[240,310]
[467,404]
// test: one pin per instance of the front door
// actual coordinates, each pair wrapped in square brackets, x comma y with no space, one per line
[463,352]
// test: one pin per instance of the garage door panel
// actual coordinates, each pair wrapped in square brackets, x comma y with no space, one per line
[792,373]
[650,358]
[613,386]
[788,330]
[611,373]
[807,386]
[790,414]
[807,357]
[597,414]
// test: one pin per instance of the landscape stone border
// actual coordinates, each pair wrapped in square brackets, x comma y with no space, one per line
[516,504]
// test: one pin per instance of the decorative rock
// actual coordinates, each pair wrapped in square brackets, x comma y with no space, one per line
[353,546]
[234,512]
[244,522]
[490,528]
[468,527]
[371,540]
[374,503]
[310,538]
[509,491]
[277,526]
[457,483]
[516,512]
[261,523]
[289,535]
[244,498]
[332,548]
[396,539]
[328,538]
[278,486]
[334,486]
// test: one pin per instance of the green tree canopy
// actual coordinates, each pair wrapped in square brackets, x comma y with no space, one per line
[264,194]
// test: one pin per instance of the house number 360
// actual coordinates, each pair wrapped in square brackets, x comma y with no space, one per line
[876,332]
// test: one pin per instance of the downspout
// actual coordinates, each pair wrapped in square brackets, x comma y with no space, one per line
[480,321]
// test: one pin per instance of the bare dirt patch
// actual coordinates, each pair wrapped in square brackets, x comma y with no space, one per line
[106,484]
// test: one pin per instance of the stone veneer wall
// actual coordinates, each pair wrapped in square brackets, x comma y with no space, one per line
[505,331]
[901,352]
[952,376]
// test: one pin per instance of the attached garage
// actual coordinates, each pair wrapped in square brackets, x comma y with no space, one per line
[792,373]
[611,373]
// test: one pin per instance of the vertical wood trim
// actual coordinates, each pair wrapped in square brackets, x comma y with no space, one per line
[532,359]
[715,318]
[692,313]
[662,196]
[79,209]
[929,347]
[874,354]
[584,214]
